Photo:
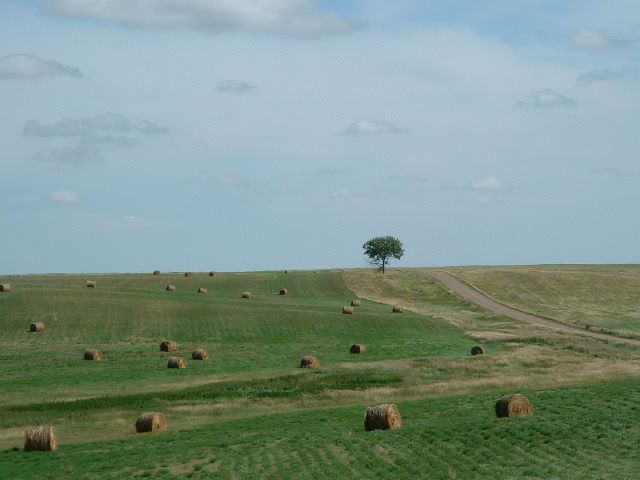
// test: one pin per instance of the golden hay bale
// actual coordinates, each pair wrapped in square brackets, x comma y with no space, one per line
[203,290]
[168,346]
[213,274]
[309,361]
[36,327]
[356,303]
[150,422]
[477,350]
[284,291]
[200,354]
[156,272]
[91,283]
[358,348]
[5,287]
[171,288]
[398,309]
[246,294]
[516,405]
[93,354]
[42,439]
[347,310]
[188,274]
[177,362]
[382,417]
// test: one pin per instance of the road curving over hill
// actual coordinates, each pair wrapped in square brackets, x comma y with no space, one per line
[475,296]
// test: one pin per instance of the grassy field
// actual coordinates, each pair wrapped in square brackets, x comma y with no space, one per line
[251,412]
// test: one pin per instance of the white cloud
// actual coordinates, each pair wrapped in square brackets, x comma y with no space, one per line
[596,40]
[363,193]
[132,222]
[68,155]
[292,18]
[587,78]
[616,172]
[489,183]
[234,87]
[331,171]
[407,177]
[30,66]
[151,128]
[107,123]
[108,130]
[240,186]
[369,126]
[65,197]
[546,99]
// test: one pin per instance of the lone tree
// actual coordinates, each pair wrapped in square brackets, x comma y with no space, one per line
[381,249]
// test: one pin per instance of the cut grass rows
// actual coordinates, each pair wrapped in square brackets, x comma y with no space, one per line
[457,437]
[251,412]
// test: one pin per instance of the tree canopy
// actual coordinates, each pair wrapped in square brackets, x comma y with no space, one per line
[381,249]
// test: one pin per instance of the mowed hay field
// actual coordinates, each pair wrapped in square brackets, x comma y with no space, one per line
[250,411]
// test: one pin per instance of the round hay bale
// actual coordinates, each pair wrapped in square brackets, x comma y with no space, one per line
[309,361]
[188,274]
[91,283]
[177,362]
[356,303]
[288,271]
[246,294]
[156,272]
[93,354]
[203,290]
[36,327]
[168,346]
[382,417]
[398,309]
[358,348]
[200,354]
[42,439]
[477,350]
[150,422]
[284,291]
[516,405]
[5,287]
[347,310]
[213,274]
[171,288]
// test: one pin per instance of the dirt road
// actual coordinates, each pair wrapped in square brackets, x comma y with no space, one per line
[477,297]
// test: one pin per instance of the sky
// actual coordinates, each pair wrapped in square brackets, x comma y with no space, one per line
[246,135]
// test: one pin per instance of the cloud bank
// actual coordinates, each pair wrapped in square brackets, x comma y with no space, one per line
[75,156]
[30,66]
[546,99]
[109,130]
[234,87]
[289,18]
[65,197]
[370,126]
[596,40]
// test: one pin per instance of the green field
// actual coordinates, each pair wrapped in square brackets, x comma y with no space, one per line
[251,412]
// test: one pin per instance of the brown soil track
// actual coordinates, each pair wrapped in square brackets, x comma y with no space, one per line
[473,295]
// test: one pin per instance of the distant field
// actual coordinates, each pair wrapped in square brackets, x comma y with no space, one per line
[604,296]
[251,412]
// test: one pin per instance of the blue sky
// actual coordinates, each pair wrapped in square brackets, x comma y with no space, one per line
[264,135]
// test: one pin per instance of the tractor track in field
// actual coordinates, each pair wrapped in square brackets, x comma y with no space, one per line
[477,297]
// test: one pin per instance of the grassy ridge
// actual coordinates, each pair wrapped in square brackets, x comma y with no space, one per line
[250,412]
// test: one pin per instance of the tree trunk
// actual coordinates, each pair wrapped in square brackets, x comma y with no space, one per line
[383,262]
